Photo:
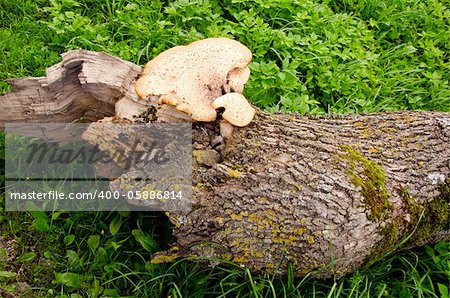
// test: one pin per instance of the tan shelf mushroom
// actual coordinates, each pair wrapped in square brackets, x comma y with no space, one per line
[192,77]
[238,110]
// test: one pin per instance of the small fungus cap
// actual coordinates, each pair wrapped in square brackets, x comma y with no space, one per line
[238,110]
[191,77]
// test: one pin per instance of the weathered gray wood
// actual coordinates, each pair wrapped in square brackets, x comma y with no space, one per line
[84,87]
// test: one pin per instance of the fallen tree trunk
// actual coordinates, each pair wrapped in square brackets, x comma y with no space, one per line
[329,194]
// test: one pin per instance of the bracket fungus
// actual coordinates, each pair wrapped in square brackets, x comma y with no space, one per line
[194,76]
[238,110]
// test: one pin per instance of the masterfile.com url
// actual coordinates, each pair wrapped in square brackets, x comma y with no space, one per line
[53,195]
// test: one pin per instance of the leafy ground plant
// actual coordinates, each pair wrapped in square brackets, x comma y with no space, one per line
[316,57]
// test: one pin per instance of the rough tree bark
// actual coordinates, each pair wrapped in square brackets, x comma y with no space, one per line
[329,194]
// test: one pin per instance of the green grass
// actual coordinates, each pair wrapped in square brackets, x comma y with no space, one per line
[93,253]
[312,57]
[309,57]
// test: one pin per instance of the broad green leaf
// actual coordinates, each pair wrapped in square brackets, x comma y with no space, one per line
[111,293]
[69,279]
[55,215]
[7,274]
[69,239]
[95,289]
[125,213]
[114,225]
[71,255]
[443,290]
[41,224]
[100,259]
[39,214]
[147,242]
[26,257]
[115,245]
[93,242]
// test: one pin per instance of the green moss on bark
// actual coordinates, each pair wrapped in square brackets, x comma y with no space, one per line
[435,215]
[371,177]
[425,220]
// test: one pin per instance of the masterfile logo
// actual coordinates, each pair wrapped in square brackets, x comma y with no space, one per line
[103,167]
